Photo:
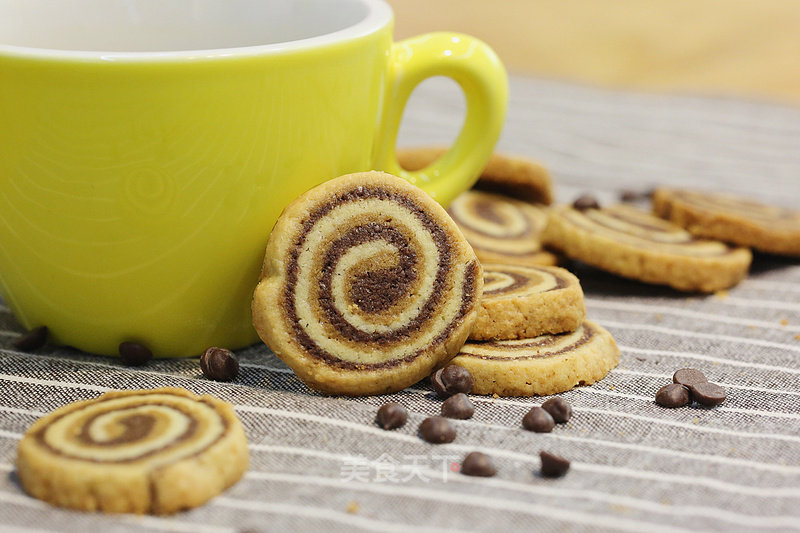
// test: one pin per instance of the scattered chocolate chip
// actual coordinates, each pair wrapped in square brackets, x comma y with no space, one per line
[538,420]
[458,406]
[134,354]
[553,465]
[391,415]
[452,379]
[630,196]
[689,377]
[708,394]
[32,340]
[477,464]
[558,409]
[586,201]
[219,364]
[673,395]
[437,430]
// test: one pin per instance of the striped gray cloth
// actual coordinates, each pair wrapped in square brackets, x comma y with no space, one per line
[319,463]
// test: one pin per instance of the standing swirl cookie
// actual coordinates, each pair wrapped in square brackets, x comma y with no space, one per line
[732,219]
[501,229]
[630,242]
[148,451]
[367,286]
[542,365]
[523,302]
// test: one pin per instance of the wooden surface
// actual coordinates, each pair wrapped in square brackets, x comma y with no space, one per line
[747,48]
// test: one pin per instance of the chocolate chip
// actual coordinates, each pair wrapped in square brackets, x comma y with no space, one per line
[586,201]
[673,395]
[477,464]
[437,430]
[689,377]
[538,420]
[458,406]
[635,196]
[452,379]
[391,415]
[134,354]
[708,394]
[219,364]
[32,340]
[553,465]
[558,409]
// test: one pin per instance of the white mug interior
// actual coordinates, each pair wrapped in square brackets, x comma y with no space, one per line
[176,27]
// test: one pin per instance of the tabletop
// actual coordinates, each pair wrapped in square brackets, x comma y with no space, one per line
[319,462]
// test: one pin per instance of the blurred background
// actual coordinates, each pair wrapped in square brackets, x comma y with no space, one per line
[743,48]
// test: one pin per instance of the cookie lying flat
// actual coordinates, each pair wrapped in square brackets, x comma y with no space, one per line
[630,242]
[522,302]
[367,286]
[147,451]
[514,176]
[543,365]
[731,219]
[501,229]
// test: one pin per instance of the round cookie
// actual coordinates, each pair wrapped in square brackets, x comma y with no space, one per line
[731,219]
[143,451]
[501,229]
[543,365]
[514,176]
[630,242]
[367,286]
[526,301]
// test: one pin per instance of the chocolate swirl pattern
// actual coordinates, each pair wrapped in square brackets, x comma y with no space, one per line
[367,286]
[134,451]
[630,242]
[501,229]
[731,219]
[546,364]
[523,302]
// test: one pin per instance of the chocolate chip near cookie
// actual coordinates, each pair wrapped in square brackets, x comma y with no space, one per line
[689,377]
[145,451]
[477,464]
[512,175]
[500,229]
[437,430]
[367,286]
[31,340]
[458,406]
[708,394]
[630,242]
[553,465]
[585,201]
[731,218]
[452,379]
[538,420]
[527,301]
[559,409]
[673,395]
[391,415]
[219,364]
[134,354]
[543,365]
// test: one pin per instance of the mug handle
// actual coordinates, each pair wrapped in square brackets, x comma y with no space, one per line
[477,69]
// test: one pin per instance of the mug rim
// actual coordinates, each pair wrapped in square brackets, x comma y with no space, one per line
[379,15]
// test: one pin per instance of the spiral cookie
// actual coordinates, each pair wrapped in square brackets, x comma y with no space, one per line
[501,229]
[515,176]
[542,365]
[523,302]
[147,451]
[731,219]
[627,241]
[367,286]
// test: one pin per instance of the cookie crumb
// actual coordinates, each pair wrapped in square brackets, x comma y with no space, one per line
[722,295]
[784,322]
[352,507]
[797,337]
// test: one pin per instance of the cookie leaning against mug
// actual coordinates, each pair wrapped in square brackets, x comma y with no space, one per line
[143,451]
[526,301]
[731,219]
[633,243]
[367,286]
[514,176]
[501,229]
